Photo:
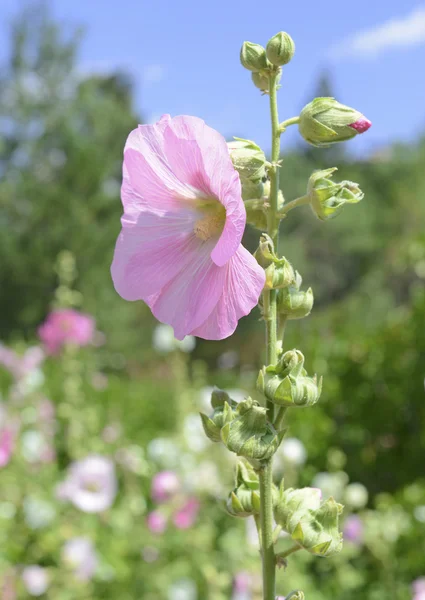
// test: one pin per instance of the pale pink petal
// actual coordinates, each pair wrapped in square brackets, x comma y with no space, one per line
[199,155]
[187,300]
[242,288]
[148,256]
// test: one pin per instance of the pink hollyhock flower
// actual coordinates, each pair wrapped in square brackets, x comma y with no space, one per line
[156,522]
[186,516]
[179,248]
[165,485]
[418,586]
[66,326]
[6,446]
[353,529]
[91,484]
[21,365]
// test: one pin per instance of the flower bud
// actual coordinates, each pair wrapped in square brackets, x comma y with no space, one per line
[248,159]
[325,121]
[295,595]
[279,272]
[280,49]
[261,80]
[252,191]
[292,302]
[253,57]
[224,409]
[327,197]
[313,525]
[244,500]
[249,434]
[287,383]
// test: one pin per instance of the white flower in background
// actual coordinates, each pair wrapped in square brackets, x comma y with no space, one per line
[293,451]
[91,484]
[331,484]
[38,513]
[164,452]
[33,446]
[204,477]
[356,495]
[228,360]
[193,433]
[164,340]
[80,554]
[35,579]
[183,589]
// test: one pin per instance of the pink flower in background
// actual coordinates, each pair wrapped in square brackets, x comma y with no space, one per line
[179,248]
[91,484]
[353,529]
[418,587]
[6,445]
[66,326]
[156,522]
[79,553]
[20,366]
[165,485]
[186,516]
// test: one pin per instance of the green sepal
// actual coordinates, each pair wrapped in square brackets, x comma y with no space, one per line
[327,197]
[294,303]
[224,411]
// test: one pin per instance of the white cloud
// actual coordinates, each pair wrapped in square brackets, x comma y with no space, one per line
[400,32]
[153,74]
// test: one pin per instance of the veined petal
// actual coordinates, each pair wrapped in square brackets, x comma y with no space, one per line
[149,254]
[243,285]
[187,300]
[199,155]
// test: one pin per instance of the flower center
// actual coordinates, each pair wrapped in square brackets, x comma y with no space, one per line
[212,222]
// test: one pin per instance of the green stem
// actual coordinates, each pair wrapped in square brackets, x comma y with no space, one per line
[290,551]
[266,518]
[270,316]
[288,122]
[293,204]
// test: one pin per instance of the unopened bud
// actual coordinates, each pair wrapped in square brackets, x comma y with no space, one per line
[249,434]
[224,411]
[248,159]
[253,57]
[280,49]
[325,121]
[244,500]
[328,197]
[294,303]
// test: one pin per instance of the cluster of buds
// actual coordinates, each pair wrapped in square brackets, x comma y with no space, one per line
[279,271]
[328,197]
[325,121]
[264,61]
[244,500]
[292,302]
[287,383]
[311,523]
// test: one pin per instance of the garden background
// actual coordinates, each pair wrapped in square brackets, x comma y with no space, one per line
[132,396]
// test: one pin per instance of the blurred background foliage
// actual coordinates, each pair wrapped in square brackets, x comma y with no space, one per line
[61,139]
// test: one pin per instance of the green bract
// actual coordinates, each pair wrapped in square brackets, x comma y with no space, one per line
[287,383]
[253,57]
[249,434]
[294,303]
[224,411]
[325,121]
[279,272]
[327,197]
[280,49]
[312,524]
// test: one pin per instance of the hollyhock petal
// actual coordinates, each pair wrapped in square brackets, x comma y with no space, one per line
[147,257]
[199,155]
[244,283]
[188,300]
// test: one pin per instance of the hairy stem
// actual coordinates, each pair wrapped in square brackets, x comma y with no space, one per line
[293,204]
[266,518]
[270,316]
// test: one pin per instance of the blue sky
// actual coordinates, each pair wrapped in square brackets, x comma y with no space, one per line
[184,58]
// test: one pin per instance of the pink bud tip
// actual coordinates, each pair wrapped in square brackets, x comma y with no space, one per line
[361,125]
